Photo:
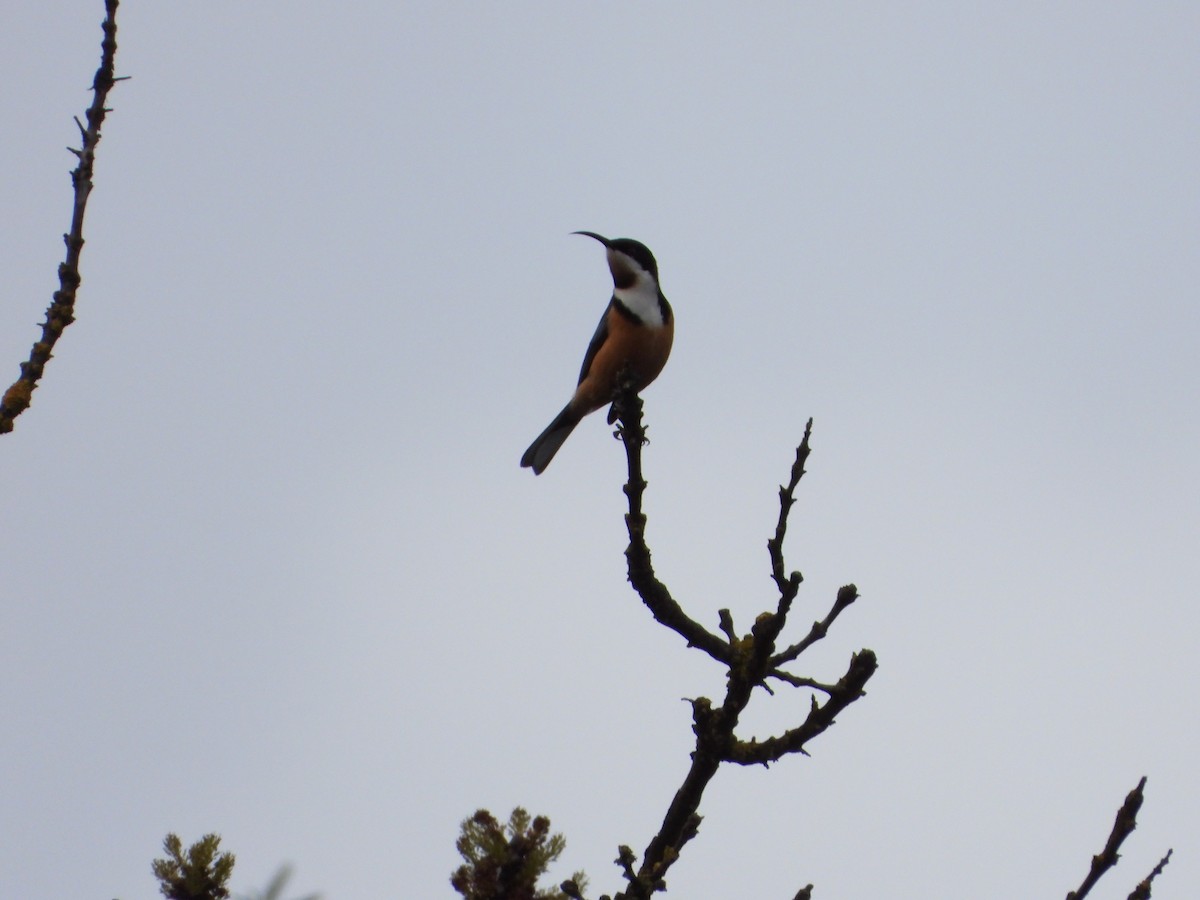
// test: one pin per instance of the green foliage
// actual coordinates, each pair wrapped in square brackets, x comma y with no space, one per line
[504,862]
[200,874]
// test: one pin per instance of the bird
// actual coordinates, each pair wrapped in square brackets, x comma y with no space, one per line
[634,335]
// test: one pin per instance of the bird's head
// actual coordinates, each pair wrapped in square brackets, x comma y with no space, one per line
[632,264]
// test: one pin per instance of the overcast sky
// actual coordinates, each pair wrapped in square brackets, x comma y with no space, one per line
[270,566]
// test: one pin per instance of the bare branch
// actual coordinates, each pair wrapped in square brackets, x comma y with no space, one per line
[61,311]
[725,618]
[798,681]
[846,691]
[750,659]
[1142,891]
[639,888]
[845,596]
[1122,828]
[788,585]
[627,410]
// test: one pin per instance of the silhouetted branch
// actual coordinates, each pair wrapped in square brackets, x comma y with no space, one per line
[751,660]
[845,596]
[1122,828]
[639,888]
[61,311]
[1142,891]
[627,409]
[845,692]
[725,623]
[797,681]
[789,585]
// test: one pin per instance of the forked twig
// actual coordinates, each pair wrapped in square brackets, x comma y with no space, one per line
[751,660]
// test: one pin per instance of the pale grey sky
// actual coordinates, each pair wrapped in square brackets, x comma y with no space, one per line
[271,567]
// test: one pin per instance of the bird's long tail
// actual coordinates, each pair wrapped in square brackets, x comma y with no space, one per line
[542,450]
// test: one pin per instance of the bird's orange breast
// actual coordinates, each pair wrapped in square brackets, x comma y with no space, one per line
[642,348]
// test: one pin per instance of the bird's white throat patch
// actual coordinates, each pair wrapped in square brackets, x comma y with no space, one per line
[641,298]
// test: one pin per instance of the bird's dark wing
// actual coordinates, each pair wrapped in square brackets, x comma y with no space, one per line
[597,341]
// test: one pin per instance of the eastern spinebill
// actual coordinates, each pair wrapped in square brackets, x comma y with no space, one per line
[634,335]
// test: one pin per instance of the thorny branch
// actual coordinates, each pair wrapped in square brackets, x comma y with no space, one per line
[61,311]
[751,660]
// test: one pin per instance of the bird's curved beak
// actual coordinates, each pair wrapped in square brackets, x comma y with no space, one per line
[601,238]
